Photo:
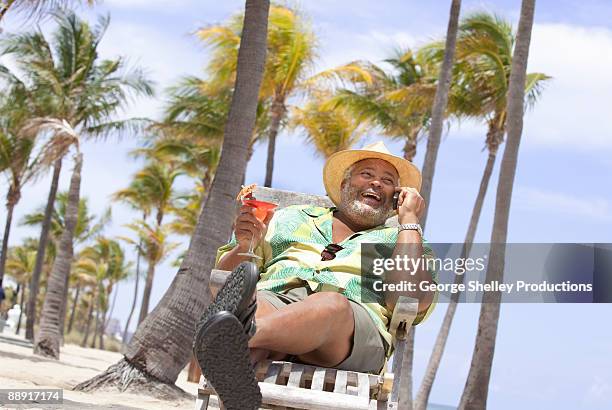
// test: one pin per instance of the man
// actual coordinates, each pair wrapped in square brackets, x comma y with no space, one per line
[307,304]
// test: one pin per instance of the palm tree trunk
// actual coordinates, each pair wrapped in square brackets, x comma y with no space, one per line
[89,317]
[129,318]
[277,111]
[64,308]
[42,248]
[102,327]
[477,384]
[433,144]
[146,295]
[161,347]
[74,305]
[49,333]
[436,355]
[21,307]
[439,106]
[110,314]
[96,324]
[10,206]
[410,148]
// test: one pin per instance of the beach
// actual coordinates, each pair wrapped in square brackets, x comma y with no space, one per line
[21,369]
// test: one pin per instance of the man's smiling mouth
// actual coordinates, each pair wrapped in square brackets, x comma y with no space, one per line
[371,197]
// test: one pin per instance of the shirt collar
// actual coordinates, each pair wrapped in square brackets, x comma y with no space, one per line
[323,214]
[317,211]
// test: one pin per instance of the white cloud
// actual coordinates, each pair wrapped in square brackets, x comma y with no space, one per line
[575,104]
[340,46]
[168,5]
[540,200]
[600,392]
[165,57]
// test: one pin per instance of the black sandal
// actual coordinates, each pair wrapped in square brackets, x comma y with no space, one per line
[223,355]
[221,345]
[237,296]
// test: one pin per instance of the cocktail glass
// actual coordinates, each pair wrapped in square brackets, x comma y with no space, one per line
[260,211]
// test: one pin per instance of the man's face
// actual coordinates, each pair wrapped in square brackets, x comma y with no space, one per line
[368,193]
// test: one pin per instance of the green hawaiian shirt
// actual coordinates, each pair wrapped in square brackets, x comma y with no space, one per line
[291,257]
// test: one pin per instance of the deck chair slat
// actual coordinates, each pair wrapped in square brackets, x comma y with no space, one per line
[363,385]
[341,380]
[352,390]
[318,379]
[273,372]
[296,398]
[295,377]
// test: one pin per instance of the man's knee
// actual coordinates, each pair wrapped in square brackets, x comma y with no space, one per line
[336,305]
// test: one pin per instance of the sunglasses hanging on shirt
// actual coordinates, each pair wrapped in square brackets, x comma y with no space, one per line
[330,251]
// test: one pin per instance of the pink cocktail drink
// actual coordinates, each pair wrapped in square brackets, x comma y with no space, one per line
[261,208]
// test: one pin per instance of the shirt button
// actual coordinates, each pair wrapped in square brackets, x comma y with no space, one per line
[317,271]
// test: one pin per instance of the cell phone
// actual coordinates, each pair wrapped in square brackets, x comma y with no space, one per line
[395,199]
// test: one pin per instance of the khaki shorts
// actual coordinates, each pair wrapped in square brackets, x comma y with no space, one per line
[368,351]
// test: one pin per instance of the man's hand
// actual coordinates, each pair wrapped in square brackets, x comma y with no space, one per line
[247,226]
[410,205]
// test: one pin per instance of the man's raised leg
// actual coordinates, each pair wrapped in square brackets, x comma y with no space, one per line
[319,329]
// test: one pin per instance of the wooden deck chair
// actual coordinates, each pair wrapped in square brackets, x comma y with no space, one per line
[286,385]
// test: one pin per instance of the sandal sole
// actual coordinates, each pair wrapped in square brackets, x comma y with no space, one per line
[223,356]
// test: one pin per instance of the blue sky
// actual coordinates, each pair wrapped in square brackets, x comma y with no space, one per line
[547,356]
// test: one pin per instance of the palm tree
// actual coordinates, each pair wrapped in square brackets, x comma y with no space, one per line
[196,114]
[156,180]
[476,387]
[100,265]
[438,113]
[36,8]
[439,107]
[328,129]
[291,54]
[48,338]
[76,89]
[17,159]
[43,242]
[397,102]
[153,245]
[191,158]
[88,225]
[135,196]
[486,80]
[160,349]
[91,299]
[111,267]
[186,209]
[154,184]
[19,265]
[83,277]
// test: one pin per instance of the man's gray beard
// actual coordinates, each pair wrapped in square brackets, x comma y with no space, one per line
[361,213]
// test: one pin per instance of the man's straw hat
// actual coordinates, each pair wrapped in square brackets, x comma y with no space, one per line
[338,163]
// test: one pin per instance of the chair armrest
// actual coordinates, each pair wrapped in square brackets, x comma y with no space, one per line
[406,310]
[404,314]
[217,279]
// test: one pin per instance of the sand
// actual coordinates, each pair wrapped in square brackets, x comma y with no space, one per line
[21,369]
